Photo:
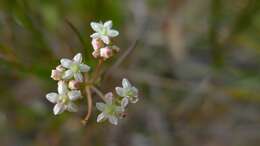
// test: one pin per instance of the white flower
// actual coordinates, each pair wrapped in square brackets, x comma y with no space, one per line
[128,91]
[103,31]
[64,99]
[109,109]
[75,67]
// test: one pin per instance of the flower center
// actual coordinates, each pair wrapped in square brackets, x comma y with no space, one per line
[104,31]
[111,109]
[64,99]
[74,68]
[129,92]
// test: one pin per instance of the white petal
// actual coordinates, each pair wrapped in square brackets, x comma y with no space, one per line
[126,83]
[65,62]
[105,39]
[134,99]
[113,33]
[84,68]
[113,120]
[135,91]
[120,91]
[100,106]
[58,108]
[120,109]
[100,117]
[68,74]
[95,35]
[74,95]
[78,58]
[71,107]
[62,88]
[109,98]
[52,97]
[78,77]
[96,26]
[124,102]
[108,24]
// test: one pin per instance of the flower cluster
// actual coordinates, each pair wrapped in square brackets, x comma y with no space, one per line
[69,77]
[101,40]
[114,107]
[71,81]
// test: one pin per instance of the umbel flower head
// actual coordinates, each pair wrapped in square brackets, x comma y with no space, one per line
[103,31]
[109,110]
[128,92]
[74,68]
[63,100]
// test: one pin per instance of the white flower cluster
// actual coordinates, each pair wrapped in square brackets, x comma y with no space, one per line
[69,77]
[101,40]
[114,108]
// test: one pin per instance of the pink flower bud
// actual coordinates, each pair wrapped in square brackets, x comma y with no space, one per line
[56,74]
[106,53]
[115,48]
[97,43]
[60,68]
[73,84]
[96,54]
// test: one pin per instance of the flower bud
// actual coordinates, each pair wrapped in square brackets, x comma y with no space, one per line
[73,84]
[97,43]
[60,68]
[95,54]
[106,53]
[115,48]
[56,74]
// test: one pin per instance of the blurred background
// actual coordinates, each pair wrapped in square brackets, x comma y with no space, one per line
[196,64]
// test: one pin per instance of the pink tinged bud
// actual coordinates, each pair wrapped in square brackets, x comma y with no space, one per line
[60,68]
[95,54]
[97,43]
[106,53]
[56,75]
[73,84]
[115,48]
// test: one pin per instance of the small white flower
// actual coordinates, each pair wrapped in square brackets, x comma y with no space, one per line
[75,68]
[109,110]
[128,91]
[63,100]
[103,31]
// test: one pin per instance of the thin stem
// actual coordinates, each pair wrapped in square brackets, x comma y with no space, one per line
[97,71]
[99,93]
[78,34]
[89,96]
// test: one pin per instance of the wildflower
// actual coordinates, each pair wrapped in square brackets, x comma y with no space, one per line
[128,92]
[106,53]
[64,99]
[75,68]
[109,110]
[103,31]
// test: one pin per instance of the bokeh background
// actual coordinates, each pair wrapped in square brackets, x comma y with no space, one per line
[196,64]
